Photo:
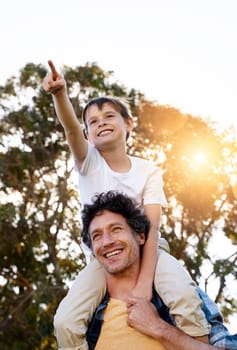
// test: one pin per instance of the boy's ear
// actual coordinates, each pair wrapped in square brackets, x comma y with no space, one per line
[85,133]
[130,123]
[129,127]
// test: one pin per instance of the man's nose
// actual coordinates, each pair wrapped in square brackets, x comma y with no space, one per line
[107,238]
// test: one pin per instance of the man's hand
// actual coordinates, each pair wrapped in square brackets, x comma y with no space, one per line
[53,82]
[143,316]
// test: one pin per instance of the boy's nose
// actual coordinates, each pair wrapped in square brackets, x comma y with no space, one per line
[101,122]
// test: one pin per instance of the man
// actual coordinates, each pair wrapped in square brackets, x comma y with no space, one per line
[116,232]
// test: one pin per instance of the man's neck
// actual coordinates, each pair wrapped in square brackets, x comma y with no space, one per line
[121,286]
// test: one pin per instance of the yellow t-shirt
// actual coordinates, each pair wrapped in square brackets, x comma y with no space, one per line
[117,335]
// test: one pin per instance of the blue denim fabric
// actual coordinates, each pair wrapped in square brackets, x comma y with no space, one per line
[219,335]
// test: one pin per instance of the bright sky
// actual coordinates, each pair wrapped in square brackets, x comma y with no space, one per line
[178,52]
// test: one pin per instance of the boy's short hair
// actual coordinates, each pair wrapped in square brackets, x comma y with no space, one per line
[120,105]
[118,203]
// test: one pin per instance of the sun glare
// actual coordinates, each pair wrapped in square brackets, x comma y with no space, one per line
[200,158]
[234,189]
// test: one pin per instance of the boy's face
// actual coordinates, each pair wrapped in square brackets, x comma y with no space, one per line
[106,125]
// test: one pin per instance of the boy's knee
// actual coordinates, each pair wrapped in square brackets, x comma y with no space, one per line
[70,335]
[64,322]
[59,321]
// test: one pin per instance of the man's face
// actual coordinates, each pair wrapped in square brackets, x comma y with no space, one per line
[114,244]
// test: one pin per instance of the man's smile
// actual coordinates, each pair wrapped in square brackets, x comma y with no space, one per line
[113,253]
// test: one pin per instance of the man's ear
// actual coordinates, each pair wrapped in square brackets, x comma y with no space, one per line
[141,239]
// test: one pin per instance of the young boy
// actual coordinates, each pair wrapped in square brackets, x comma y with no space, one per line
[103,164]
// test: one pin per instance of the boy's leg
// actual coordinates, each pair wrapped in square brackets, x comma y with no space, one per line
[76,309]
[178,291]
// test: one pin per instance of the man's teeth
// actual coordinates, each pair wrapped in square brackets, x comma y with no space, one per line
[108,255]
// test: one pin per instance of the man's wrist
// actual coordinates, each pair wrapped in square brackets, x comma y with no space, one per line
[161,330]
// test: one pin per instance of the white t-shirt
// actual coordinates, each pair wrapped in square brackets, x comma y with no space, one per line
[142,183]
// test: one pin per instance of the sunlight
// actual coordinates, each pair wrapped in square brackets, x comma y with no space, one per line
[200,158]
[234,189]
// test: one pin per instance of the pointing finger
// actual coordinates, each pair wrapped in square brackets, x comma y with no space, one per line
[53,70]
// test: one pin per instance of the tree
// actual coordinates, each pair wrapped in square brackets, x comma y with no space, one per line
[200,179]
[40,247]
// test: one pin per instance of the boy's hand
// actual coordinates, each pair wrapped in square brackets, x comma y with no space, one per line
[53,82]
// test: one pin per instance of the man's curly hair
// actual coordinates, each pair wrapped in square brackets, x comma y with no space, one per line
[118,203]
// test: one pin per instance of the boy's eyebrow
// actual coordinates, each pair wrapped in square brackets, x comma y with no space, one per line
[111,111]
[105,112]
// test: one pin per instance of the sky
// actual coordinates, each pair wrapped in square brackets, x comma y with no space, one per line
[181,53]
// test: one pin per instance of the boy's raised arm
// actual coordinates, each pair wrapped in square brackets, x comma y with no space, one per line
[55,84]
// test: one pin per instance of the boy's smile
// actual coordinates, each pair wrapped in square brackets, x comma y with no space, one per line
[106,124]
[104,132]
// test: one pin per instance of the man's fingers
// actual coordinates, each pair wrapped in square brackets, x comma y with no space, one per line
[53,70]
[132,301]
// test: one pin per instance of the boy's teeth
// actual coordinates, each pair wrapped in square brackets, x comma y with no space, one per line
[104,132]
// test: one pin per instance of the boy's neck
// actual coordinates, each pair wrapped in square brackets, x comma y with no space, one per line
[117,161]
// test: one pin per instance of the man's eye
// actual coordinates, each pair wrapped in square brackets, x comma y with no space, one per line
[117,229]
[110,115]
[96,237]
[93,121]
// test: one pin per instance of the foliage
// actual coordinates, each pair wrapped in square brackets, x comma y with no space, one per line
[40,247]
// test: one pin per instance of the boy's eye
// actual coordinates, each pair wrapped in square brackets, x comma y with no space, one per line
[110,115]
[93,121]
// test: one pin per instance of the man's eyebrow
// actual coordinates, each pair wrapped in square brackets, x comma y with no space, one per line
[94,231]
[115,223]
